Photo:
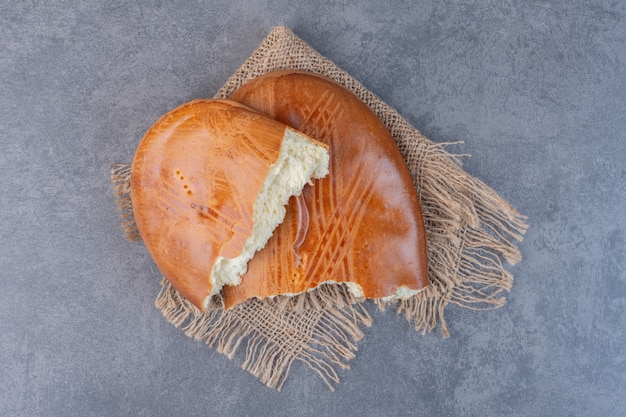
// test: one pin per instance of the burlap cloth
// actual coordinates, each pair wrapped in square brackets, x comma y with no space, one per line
[470,229]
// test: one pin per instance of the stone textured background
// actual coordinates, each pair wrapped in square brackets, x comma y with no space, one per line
[535,89]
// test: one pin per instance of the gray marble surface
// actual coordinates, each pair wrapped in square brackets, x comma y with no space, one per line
[535,89]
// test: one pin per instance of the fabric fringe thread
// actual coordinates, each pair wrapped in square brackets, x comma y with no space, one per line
[469,230]
[275,332]
[120,177]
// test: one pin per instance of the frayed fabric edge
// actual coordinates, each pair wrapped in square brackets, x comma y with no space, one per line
[120,177]
[470,230]
[273,338]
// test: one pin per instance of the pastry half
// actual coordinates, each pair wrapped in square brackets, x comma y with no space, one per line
[209,184]
[362,224]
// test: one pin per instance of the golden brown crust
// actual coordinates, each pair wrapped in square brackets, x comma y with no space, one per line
[362,223]
[195,177]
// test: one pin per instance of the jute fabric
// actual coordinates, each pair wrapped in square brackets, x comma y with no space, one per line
[470,230]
